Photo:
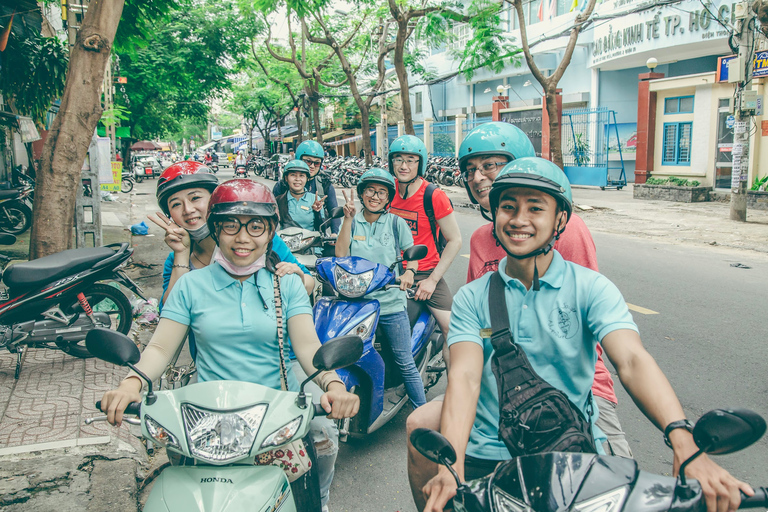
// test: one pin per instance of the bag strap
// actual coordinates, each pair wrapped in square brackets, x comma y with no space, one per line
[430,210]
[501,339]
[279,317]
[396,235]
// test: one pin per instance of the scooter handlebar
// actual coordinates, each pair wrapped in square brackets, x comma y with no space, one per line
[134,408]
[319,411]
[760,499]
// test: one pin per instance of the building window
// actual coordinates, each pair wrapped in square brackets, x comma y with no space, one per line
[676,148]
[679,105]
[533,11]
[463,33]
[418,102]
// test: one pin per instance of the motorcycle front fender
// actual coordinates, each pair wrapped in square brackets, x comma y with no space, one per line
[220,489]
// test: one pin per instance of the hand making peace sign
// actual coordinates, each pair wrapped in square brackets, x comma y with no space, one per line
[349,207]
[176,237]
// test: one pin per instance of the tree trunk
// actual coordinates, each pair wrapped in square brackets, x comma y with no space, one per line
[365,121]
[299,126]
[402,75]
[555,139]
[315,99]
[67,144]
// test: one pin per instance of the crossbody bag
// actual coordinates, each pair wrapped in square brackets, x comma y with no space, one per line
[534,416]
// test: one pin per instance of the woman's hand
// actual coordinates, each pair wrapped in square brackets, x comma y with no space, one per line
[338,402]
[176,237]
[284,268]
[406,280]
[349,207]
[114,402]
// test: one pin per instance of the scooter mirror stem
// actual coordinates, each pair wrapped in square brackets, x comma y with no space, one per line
[151,397]
[453,471]
[301,400]
[683,491]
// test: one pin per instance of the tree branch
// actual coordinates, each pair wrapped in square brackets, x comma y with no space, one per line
[518,5]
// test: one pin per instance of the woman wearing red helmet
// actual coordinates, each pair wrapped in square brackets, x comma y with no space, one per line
[237,332]
[183,192]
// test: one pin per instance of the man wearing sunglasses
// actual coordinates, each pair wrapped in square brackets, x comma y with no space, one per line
[312,154]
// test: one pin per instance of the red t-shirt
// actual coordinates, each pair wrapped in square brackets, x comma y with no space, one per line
[412,210]
[576,245]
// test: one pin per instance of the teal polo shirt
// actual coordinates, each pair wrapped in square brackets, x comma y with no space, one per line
[301,210]
[234,322]
[376,242]
[558,327]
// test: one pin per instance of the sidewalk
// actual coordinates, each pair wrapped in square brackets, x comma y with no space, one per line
[49,460]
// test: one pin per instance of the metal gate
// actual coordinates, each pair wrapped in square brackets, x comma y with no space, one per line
[444,138]
[592,148]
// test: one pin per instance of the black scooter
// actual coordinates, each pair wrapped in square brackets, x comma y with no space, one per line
[583,482]
[54,301]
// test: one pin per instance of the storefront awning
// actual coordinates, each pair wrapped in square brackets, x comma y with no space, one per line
[333,134]
[349,139]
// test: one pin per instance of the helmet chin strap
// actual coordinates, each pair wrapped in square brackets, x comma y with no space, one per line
[534,254]
[407,184]
[382,211]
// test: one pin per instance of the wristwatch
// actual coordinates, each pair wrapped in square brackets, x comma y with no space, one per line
[687,425]
[406,270]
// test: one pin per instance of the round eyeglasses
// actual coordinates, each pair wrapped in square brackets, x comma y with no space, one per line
[254,227]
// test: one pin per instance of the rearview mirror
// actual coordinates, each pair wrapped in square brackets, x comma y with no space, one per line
[7,239]
[338,353]
[433,446]
[417,252]
[112,347]
[726,431]
[337,212]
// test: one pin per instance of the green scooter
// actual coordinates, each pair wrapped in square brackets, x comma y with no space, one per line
[223,426]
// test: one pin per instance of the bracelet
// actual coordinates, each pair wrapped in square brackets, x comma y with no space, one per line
[182,266]
[687,425]
[406,270]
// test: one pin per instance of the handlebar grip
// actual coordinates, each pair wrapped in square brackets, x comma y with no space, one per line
[319,411]
[760,499]
[134,408]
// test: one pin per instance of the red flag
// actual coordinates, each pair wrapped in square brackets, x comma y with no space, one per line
[540,14]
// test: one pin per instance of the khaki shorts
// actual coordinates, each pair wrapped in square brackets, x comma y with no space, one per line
[442,298]
[608,422]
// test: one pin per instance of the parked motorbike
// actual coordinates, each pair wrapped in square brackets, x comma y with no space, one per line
[126,181]
[241,171]
[223,426]
[16,209]
[583,482]
[54,301]
[375,378]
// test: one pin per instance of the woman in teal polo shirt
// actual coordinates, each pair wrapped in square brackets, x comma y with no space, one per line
[370,235]
[229,306]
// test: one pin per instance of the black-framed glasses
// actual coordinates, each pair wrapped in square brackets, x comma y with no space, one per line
[254,227]
[312,163]
[398,160]
[485,169]
[371,192]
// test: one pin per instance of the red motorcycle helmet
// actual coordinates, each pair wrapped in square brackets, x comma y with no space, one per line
[241,197]
[183,175]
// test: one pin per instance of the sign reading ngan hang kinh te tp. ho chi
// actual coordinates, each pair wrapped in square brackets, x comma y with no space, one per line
[652,29]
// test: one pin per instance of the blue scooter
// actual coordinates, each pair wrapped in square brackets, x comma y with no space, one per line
[375,378]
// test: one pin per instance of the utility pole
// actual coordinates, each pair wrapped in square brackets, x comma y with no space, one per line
[744,109]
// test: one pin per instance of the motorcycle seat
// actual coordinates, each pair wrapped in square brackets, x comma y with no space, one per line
[415,308]
[51,268]
[9,193]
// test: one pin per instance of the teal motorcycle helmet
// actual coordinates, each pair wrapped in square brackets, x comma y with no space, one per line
[494,138]
[380,177]
[533,172]
[310,148]
[296,166]
[409,145]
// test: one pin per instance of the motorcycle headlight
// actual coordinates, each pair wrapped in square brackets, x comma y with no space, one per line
[611,501]
[219,437]
[506,503]
[283,434]
[352,285]
[160,434]
[364,328]
[292,241]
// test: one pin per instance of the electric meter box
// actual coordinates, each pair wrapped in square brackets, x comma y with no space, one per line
[748,100]
[736,70]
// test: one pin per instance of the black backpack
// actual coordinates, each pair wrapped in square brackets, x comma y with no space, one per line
[440,241]
[534,416]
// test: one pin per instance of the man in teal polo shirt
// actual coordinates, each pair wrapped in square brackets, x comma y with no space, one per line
[558,311]
[379,236]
